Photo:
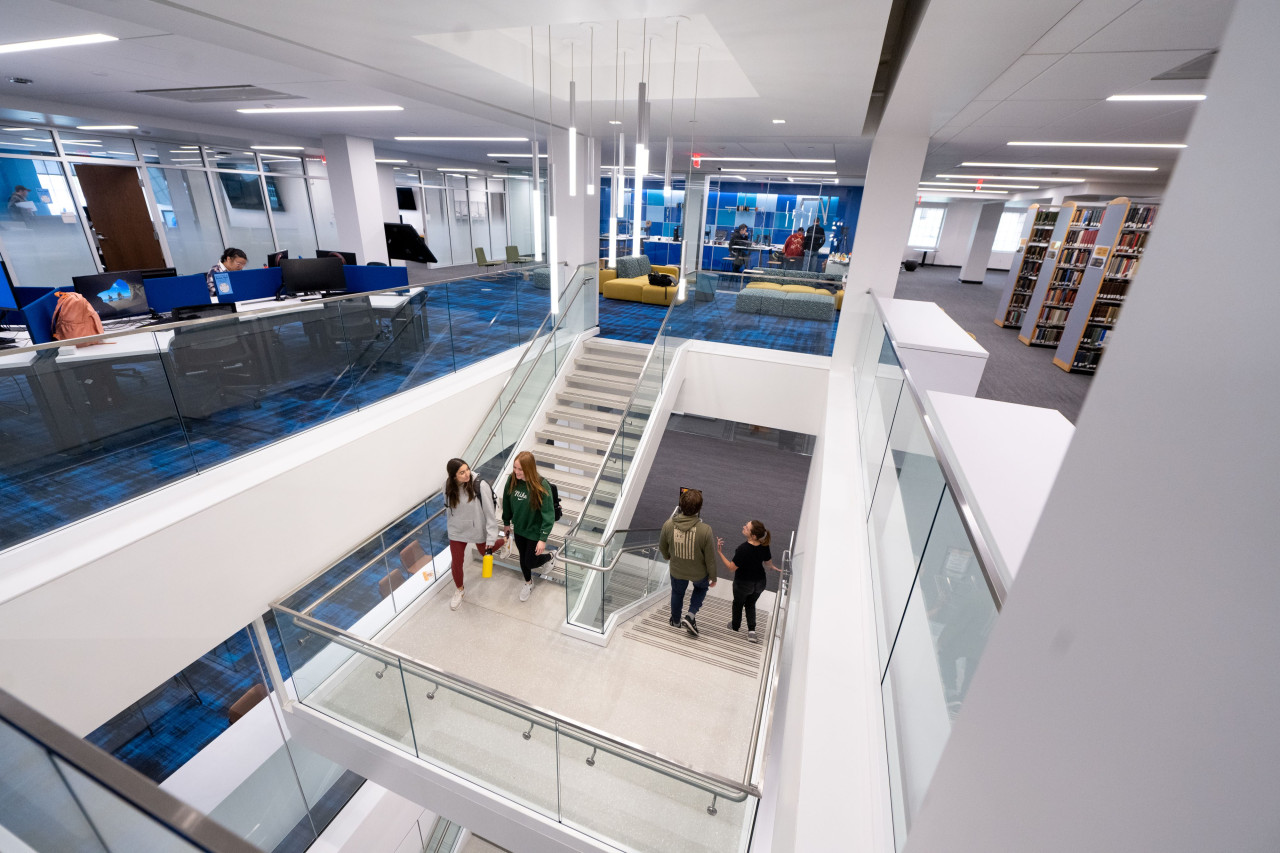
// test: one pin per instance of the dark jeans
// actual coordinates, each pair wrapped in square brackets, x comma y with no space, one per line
[745,595]
[813,261]
[678,587]
[528,559]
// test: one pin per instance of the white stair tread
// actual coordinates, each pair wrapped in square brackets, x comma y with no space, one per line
[595,398]
[583,459]
[588,417]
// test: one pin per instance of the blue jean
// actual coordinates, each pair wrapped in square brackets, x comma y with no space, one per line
[678,587]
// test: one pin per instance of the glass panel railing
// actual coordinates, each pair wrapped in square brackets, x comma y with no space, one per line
[60,793]
[367,588]
[92,424]
[937,581]
[561,770]
[604,579]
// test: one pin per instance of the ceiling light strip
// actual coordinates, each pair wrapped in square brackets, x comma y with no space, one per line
[985,165]
[66,41]
[1102,144]
[364,109]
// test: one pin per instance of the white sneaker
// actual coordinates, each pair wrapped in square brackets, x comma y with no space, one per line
[456,602]
[526,591]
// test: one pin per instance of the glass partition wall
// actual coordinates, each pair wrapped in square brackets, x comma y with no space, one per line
[458,213]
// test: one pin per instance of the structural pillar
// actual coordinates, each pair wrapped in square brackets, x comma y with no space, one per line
[984,237]
[357,203]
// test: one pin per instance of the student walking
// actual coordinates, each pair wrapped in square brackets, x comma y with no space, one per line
[471,512]
[527,508]
[686,542]
[748,565]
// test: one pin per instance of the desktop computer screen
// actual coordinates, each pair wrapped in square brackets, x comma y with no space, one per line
[8,297]
[347,257]
[274,259]
[114,294]
[312,275]
[159,272]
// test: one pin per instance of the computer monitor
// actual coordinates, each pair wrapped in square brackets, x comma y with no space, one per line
[205,309]
[312,275]
[114,294]
[274,259]
[159,272]
[722,234]
[8,296]
[405,244]
[347,257]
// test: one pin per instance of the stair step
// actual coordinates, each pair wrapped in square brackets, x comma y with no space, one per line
[584,460]
[593,398]
[618,350]
[608,363]
[602,382]
[576,484]
[586,417]
[589,438]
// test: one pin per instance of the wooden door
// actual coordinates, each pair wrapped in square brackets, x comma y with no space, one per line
[118,210]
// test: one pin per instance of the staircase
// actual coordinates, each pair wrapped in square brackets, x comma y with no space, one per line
[578,429]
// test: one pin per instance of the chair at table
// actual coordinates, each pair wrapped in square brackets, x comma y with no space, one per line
[213,366]
[483,262]
[514,256]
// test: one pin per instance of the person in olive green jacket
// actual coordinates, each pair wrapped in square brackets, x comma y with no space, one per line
[689,546]
[527,506]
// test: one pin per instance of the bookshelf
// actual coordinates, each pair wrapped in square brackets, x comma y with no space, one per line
[1060,275]
[1122,238]
[1032,245]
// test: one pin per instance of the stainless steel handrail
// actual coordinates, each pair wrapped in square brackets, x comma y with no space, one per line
[992,572]
[263,310]
[769,682]
[626,549]
[617,435]
[708,782]
[134,789]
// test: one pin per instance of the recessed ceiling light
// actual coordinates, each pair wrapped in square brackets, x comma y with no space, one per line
[261,110]
[993,186]
[107,127]
[787,171]
[942,191]
[68,41]
[614,121]
[1046,178]
[765,160]
[277,147]
[73,142]
[779,121]
[391,161]
[1061,166]
[451,170]
[1156,98]
[1102,144]
[462,139]
[18,129]
[528,155]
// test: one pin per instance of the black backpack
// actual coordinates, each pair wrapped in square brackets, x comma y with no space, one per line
[555,499]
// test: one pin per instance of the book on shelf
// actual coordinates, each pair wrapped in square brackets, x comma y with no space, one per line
[1028,264]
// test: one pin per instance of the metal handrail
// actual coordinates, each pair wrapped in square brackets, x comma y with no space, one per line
[708,782]
[626,549]
[617,435]
[987,559]
[265,309]
[129,785]
[772,674]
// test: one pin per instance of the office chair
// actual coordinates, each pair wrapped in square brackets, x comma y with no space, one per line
[514,256]
[414,558]
[213,365]
[352,323]
[245,703]
[390,583]
[480,259]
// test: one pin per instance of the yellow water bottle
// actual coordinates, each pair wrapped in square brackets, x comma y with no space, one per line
[486,570]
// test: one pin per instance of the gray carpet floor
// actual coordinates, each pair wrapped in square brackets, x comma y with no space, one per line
[1015,373]
[740,481]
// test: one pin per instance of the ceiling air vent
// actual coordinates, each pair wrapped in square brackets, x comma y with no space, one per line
[1196,69]
[215,94]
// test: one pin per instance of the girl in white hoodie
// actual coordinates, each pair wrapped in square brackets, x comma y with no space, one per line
[472,516]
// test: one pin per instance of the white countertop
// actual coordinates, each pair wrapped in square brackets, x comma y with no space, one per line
[1009,456]
[923,325]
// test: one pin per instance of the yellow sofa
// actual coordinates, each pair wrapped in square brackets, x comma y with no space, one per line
[630,281]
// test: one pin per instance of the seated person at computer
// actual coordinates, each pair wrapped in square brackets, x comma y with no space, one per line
[740,247]
[232,260]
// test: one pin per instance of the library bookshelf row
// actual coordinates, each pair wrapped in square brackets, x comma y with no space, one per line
[1071,274]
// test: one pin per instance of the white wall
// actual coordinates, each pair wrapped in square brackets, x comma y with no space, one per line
[98,614]
[953,243]
[1126,698]
[754,386]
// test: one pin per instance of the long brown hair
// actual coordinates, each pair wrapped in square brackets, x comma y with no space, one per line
[759,531]
[452,488]
[532,480]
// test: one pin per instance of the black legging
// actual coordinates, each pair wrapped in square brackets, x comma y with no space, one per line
[745,597]
[529,559]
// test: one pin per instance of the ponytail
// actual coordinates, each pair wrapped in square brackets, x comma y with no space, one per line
[760,532]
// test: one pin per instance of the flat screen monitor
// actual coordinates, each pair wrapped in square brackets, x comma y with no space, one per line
[405,244]
[405,198]
[8,297]
[312,275]
[114,294]
[207,309]
[347,257]
[161,272]
[274,259]
[722,234]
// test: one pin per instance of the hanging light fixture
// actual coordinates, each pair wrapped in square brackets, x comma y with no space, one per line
[536,200]
[553,266]
[696,262]
[642,148]
[666,173]
[573,124]
[615,206]
[593,169]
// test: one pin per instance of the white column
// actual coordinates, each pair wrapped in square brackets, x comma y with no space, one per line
[1126,697]
[984,237]
[884,223]
[577,217]
[357,201]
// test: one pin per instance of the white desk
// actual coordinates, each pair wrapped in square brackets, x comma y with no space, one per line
[128,346]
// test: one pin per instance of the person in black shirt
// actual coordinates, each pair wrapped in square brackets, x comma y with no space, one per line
[748,565]
[740,247]
[815,237]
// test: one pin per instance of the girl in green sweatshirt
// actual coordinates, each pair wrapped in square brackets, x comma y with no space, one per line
[527,507]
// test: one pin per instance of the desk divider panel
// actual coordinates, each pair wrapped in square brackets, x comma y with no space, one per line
[362,279]
[39,313]
[165,294]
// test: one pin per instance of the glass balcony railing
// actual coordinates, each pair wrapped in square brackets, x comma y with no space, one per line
[938,583]
[59,793]
[367,588]
[92,425]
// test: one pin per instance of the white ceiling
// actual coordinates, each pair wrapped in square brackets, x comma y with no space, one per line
[1041,70]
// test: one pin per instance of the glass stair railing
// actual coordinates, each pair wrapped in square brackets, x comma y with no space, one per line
[60,794]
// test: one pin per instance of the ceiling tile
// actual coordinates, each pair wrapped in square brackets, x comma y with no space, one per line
[1024,114]
[1099,75]
[1080,24]
[1020,73]
[1164,25]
